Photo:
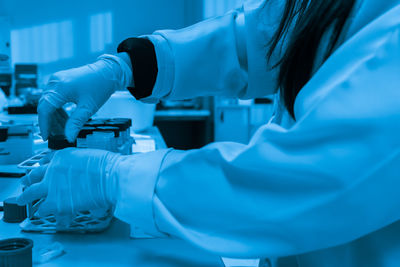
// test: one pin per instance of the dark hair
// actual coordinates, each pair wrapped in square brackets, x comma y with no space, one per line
[308,21]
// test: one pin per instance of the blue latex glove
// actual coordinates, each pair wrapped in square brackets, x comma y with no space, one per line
[74,180]
[88,87]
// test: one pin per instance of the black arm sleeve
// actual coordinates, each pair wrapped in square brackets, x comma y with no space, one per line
[144,65]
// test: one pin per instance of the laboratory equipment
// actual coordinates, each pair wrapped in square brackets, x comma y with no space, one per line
[26,76]
[5,74]
[16,252]
[81,141]
[83,221]
[43,254]
[16,143]
[104,137]
[26,102]
[13,213]
[57,142]
[33,162]
[5,54]
[107,134]
[122,103]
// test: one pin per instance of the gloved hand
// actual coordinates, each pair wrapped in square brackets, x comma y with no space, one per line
[88,87]
[74,180]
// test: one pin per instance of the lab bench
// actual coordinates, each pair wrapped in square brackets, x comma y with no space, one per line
[113,247]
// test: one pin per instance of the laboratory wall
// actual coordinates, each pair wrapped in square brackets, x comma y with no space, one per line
[62,34]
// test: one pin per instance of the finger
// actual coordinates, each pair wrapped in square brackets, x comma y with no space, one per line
[46,208]
[58,121]
[35,176]
[32,193]
[45,113]
[62,114]
[75,123]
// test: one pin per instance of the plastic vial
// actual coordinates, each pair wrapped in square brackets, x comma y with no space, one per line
[58,142]
[125,141]
[122,127]
[104,137]
[81,141]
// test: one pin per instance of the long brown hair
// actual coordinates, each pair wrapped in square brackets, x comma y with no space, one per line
[311,18]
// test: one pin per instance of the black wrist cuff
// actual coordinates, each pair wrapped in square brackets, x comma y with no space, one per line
[144,65]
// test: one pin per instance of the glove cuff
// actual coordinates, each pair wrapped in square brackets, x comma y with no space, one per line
[110,179]
[125,76]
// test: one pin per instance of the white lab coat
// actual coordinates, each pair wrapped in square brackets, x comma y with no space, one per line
[323,190]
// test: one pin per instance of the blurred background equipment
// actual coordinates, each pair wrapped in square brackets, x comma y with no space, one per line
[16,143]
[26,76]
[5,54]
[33,45]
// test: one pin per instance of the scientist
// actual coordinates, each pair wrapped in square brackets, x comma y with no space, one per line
[319,184]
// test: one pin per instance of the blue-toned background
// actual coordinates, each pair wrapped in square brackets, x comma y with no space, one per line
[62,34]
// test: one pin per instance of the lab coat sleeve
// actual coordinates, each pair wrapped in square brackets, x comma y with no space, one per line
[223,56]
[330,179]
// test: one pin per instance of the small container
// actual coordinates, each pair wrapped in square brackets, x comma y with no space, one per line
[58,142]
[81,141]
[112,129]
[16,252]
[123,127]
[13,213]
[104,137]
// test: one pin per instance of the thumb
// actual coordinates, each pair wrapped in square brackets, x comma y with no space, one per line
[76,121]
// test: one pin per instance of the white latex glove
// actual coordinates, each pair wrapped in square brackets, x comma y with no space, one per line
[88,87]
[74,180]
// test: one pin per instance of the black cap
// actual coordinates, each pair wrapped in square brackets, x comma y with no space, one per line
[127,121]
[86,130]
[3,133]
[96,122]
[13,213]
[16,252]
[123,126]
[115,130]
[57,142]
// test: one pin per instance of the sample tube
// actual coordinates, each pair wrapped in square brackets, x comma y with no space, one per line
[81,141]
[104,137]
[125,141]
[58,142]
[122,130]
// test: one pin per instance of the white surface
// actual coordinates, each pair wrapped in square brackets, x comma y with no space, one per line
[123,105]
[182,113]
[240,262]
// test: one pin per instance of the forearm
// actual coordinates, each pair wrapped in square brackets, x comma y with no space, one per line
[140,54]
[222,56]
[326,181]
